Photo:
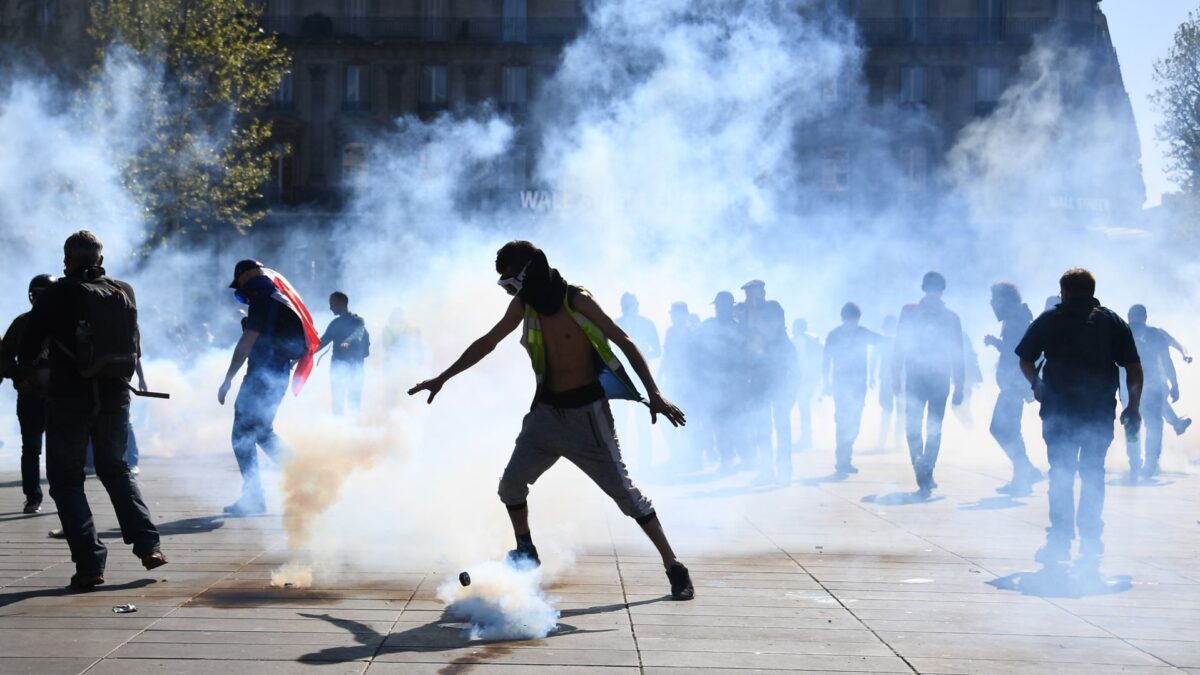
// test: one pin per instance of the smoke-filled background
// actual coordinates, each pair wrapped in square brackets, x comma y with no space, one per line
[677,151]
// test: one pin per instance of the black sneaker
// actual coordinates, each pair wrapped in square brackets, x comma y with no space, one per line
[1053,552]
[1182,426]
[681,582]
[32,506]
[524,556]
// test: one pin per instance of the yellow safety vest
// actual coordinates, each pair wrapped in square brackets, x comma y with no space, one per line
[610,370]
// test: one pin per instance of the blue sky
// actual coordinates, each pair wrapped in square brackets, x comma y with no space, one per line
[1142,32]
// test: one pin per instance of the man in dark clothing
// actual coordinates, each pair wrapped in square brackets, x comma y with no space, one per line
[271,343]
[929,353]
[808,352]
[1159,381]
[1014,317]
[1084,344]
[723,353]
[351,346]
[845,372]
[31,399]
[779,382]
[89,401]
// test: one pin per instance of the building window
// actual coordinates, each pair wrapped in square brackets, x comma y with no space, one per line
[991,20]
[916,19]
[516,168]
[355,93]
[354,164]
[835,169]
[356,14]
[513,88]
[912,85]
[435,20]
[916,165]
[433,96]
[990,83]
[281,174]
[838,7]
[514,17]
[283,97]
[46,11]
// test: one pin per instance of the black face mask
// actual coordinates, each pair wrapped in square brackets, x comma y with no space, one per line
[543,288]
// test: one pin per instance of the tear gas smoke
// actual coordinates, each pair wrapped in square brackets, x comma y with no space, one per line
[502,603]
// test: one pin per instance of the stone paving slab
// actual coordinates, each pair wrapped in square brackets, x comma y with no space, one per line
[839,577]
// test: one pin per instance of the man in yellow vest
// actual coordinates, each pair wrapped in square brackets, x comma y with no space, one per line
[567,336]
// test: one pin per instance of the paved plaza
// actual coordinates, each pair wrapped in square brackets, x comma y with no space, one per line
[829,576]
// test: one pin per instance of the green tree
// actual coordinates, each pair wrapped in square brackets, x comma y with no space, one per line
[1178,97]
[206,154]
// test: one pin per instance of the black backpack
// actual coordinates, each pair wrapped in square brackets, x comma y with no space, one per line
[106,336]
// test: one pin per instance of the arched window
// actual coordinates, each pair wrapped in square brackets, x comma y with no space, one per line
[354,163]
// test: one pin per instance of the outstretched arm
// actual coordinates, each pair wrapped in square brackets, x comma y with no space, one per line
[658,405]
[474,354]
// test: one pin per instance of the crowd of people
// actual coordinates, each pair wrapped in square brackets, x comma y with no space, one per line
[739,374]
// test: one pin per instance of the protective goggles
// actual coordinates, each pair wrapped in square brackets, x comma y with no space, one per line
[513,285]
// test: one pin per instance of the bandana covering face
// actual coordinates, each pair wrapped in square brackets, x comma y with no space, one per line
[544,288]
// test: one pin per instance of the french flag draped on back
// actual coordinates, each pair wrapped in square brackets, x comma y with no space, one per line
[287,295]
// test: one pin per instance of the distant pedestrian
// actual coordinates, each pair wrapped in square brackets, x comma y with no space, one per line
[351,342]
[847,354]
[809,353]
[1014,317]
[644,334]
[929,357]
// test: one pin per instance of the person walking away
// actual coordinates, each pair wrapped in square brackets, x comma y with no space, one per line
[1084,345]
[90,322]
[847,350]
[351,347]
[929,344]
[31,399]
[780,386]
[1159,382]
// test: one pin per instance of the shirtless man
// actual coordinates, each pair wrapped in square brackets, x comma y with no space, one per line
[567,334]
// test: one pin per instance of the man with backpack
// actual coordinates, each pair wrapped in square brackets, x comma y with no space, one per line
[90,323]
[351,347]
[277,335]
[31,400]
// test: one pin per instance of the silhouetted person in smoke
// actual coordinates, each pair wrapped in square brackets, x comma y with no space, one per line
[677,372]
[31,398]
[1179,424]
[779,384]
[644,334]
[276,336]
[809,353]
[755,423]
[1159,382]
[846,363]
[89,321]
[1014,317]
[890,401]
[929,357]
[722,346]
[1084,344]
[567,336]
[351,347]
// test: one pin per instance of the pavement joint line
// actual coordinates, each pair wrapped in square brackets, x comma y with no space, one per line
[843,605]
[1049,601]
[371,661]
[173,610]
[637,649]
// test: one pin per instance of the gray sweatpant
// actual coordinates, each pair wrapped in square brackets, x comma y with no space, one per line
[586,437]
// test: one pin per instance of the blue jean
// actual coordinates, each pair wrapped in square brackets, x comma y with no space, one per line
[31,415]
[254,425]
[68,432]
[1076,444]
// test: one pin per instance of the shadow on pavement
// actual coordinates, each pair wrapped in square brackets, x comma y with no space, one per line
[992,504]
[197,525]
[445,634]
[900,499]
[13,598]
[831,478]
[1061,581]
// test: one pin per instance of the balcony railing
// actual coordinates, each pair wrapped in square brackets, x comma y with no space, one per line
[896,32]
[534,30]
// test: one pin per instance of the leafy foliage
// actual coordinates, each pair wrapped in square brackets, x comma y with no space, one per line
[1179,99]
[205,155]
